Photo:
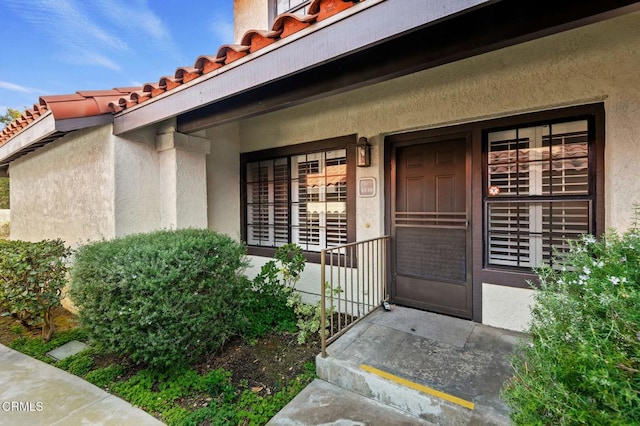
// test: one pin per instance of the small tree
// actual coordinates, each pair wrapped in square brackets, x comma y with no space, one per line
[32,276]
[10,115]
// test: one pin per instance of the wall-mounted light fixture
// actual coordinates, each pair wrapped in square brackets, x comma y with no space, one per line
[363,152]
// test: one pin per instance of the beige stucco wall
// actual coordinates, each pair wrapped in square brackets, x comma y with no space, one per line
[66,189]
[249,15]
[223,177]
[591,64]
[5,216]
[137,178]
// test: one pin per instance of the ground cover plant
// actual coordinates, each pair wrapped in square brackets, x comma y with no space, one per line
[190,284]
[246,379]
[583,365]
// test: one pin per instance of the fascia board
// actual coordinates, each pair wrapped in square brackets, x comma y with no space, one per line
[43,127]
[365,24]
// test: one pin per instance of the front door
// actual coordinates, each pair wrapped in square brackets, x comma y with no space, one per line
[429,226]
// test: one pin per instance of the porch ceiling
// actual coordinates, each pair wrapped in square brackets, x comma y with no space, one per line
[385,40]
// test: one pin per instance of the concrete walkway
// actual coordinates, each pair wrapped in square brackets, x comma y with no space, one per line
[34,393]
[415,366]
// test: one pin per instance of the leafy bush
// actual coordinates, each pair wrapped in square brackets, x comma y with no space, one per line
[268,308]
[4,193]
[162,298]
[583,366]
[31,279]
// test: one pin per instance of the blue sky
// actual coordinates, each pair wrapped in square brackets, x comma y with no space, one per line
[54,47]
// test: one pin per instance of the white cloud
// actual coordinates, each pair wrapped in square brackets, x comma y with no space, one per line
[71,27]
[18,88]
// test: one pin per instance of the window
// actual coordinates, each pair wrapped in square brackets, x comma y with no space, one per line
[300,194]
[540,190]
[291,6]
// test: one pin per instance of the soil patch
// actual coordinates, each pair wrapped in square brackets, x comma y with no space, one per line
[11,328]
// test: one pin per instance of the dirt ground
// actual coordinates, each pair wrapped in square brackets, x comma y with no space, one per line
[11,328]
[263,365]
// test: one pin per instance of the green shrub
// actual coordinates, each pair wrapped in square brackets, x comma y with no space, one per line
[268,308]
[31,279]
[583,365]
[4,193]
[162,298]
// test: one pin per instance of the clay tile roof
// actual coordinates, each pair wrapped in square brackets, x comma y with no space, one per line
[186,74]
[232,52]
[206,63]
[169,83]
[76,105]
[89,103]
[153,88]
[140,96]
[290,23]
[257,39]
[326,8]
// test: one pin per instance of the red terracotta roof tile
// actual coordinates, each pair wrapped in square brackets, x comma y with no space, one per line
[206,63]
[153,88]
[327,8]
[97,102]
[76,105]
[232,52]
[257,39]
[186,74]
[169,83]
[289,23]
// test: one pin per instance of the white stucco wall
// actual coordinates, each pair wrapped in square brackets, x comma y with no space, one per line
[598,63]
[66,189]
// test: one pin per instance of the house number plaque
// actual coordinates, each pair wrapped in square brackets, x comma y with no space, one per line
[367,187]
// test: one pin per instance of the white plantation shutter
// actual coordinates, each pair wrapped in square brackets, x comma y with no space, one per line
[300,199]
[538,192]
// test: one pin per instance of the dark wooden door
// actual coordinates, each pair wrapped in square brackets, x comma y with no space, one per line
[430,230]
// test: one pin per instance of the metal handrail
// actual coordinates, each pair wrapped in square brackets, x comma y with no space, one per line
[355,285]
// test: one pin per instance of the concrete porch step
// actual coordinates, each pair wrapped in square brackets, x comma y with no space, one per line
[323,403]
[438,369]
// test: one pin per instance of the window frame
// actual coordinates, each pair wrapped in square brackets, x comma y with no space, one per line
[273,9]
[342,142]
[522,277]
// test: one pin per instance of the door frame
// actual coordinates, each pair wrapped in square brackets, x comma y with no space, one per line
[392,142]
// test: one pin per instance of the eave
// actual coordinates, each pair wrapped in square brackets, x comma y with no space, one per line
[371,42]
[44,130]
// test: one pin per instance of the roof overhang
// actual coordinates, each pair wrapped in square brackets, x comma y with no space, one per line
[374,41]
[44,130]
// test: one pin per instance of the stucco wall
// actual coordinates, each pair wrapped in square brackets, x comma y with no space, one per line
[595,63]
[66,189]
[223,178]
[137,183]
[5,216]
[591,64]
[249,15]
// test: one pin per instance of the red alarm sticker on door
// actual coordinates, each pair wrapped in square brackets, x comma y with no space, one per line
[494,190]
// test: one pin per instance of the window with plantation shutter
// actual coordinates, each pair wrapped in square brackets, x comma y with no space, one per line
[539,193]
[300,198]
